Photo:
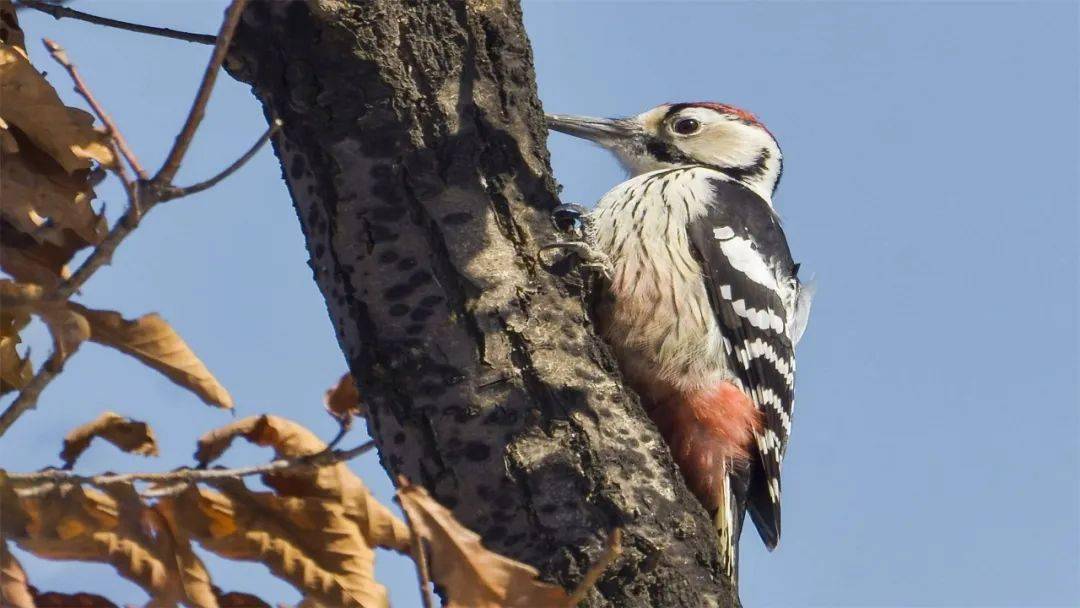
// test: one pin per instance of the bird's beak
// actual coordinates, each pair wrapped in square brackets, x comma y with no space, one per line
[603,131]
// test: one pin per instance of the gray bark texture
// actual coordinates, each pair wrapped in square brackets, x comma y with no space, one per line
[414,151]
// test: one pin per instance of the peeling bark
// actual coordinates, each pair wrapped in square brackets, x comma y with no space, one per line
[414,151]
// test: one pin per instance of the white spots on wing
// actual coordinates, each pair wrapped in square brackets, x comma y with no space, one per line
[725,292]
[743,257]
[769,397]
[769,446]
[769,440]
[761,319]
[777,324]
[723,233]
[760,348]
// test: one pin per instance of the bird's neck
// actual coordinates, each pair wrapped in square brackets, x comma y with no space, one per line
[758,168]
[761,174]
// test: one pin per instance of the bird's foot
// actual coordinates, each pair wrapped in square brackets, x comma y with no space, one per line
[572,221]
[589,258]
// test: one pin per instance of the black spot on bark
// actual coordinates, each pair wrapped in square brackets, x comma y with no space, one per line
[477,451]
[299,166]
[455,219]
[398,291]
[430,301]
[419,314]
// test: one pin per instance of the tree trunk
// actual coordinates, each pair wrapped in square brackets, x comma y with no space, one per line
[414,151]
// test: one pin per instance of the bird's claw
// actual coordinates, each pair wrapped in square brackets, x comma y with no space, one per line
[589,258]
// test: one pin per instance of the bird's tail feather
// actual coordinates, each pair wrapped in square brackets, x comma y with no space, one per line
[728,520]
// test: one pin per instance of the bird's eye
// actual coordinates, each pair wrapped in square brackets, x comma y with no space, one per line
[686,126]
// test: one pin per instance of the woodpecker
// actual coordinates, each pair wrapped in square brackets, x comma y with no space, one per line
[702,305]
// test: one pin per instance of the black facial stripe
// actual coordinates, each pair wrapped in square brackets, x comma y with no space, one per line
[666,153]
[749,171]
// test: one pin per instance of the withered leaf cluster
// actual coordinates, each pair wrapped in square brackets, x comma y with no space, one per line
[51,157]
[317,528]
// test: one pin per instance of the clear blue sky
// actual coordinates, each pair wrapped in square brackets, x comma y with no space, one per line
[930,186]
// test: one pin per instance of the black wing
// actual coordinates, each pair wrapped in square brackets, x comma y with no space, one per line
[751,281]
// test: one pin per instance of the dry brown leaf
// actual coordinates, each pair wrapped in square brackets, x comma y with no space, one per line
[129,435]
[37,189]
[29,260]
[9,26]
[336,482]
[239,599]
[343,399]
[470,575]
[19,296]
[113,526]
[69,329]
[14,586]
[75,523]
[14,520]
[46,151]
[308,542]
[54,599]
[189,571]
[153,342]
[32,106]
[15,370]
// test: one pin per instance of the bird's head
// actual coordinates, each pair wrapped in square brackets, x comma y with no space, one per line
[681,134]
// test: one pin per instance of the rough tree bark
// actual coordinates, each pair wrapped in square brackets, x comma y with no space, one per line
[414,151]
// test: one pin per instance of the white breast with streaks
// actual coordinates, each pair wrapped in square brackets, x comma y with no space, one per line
[659,318]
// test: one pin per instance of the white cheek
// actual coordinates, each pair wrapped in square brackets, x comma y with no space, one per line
[724,144]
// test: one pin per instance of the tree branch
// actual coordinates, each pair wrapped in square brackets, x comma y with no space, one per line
[29,394]
[57,11]
[284,465]
[58,53]
[198,108]
[275,126]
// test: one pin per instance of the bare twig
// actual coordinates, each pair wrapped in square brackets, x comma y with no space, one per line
[59,12]
[284,465]
[29,394]
[198,107]
[344,425]
[101,255]
[612,550]
[143,193]
[172,193]
[423,571]
[60,55]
